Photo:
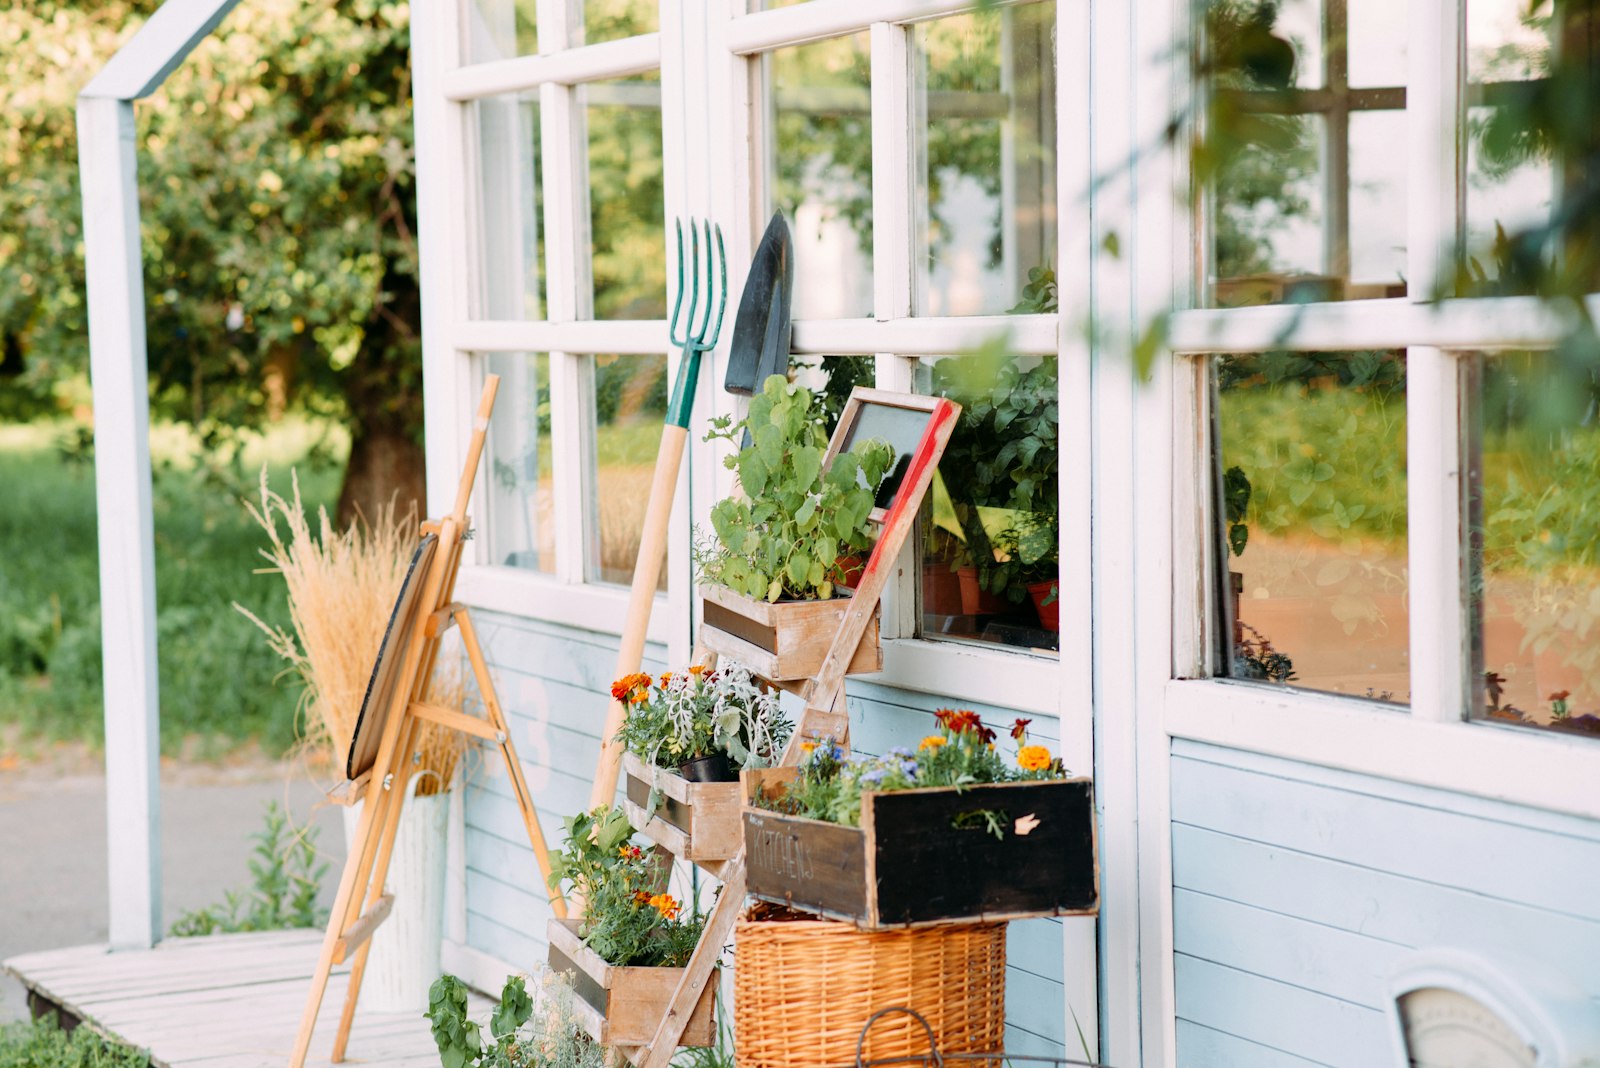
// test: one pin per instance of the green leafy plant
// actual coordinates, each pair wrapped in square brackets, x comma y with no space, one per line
[697,713]
[285,876]
[961,754]
[42,1043]
[784,537]
[629,920]
[526,1032]
[1003,454]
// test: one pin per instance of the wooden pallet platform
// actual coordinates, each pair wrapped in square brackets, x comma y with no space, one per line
[223,1001]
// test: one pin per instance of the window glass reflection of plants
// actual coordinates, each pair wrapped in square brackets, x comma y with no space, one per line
[1540,534]
[1313,446]
[1001,467]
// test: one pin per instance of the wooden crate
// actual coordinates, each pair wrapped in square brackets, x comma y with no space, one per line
[906,865]
[623,1006]
[784,639]
[697,821]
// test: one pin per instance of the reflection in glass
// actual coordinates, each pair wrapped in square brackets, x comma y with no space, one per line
[499,29]
[986,192]
[627,210]
[1306,188]
[1311,461]
[1510,184]
[520,529]
[611,20]
[630,401]
[820,171]
[990,559]
[1536,519]
[510,225]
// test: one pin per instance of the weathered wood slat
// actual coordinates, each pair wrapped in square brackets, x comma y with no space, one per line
[222,1001]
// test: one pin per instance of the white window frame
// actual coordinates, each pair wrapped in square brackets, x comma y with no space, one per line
[1166,601]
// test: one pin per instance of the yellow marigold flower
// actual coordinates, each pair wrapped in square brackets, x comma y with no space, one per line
[1033,758]
[697,670]
[806,747]
[932,741]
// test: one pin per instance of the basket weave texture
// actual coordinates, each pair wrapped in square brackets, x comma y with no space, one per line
[804,987]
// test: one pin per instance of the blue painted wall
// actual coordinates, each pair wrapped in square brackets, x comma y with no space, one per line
[554,684]
[1298,889]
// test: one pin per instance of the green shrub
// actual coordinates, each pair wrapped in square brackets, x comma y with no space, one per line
[284,877]
[42,1043]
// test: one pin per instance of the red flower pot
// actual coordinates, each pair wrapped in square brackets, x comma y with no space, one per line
[1049,613]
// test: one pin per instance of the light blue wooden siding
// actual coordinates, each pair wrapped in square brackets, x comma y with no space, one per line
[1298,890]
[554,684]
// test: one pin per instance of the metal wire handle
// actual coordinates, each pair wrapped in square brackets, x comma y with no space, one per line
[940,1060]
[933,1046]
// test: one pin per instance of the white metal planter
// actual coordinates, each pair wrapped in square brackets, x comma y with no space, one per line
[404,960]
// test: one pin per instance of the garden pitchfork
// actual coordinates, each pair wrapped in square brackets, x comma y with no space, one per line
[695,342]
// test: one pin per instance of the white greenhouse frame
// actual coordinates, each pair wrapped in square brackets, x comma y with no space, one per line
[1136,544]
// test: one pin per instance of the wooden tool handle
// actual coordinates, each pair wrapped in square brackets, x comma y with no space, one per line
[480,429]
[646,573]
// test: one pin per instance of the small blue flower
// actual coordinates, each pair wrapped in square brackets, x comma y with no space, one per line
[874,776]
[900,752]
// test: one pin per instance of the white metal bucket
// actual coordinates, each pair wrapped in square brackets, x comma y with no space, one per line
[404,960]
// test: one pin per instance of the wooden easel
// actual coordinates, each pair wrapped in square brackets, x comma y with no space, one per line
[824,714]
[432,613]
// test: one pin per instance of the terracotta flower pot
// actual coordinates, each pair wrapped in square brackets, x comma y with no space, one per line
[975,600]
[941,591]
[847,571]
[1049,613]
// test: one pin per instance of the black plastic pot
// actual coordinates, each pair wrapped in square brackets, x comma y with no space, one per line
[714,768]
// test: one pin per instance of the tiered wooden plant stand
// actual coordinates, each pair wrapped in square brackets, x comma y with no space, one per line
[807,649]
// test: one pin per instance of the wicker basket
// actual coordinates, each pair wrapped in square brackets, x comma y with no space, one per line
[804,987]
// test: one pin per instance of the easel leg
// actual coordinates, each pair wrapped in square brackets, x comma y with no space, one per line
[519,784]
[352,887]
[380,872]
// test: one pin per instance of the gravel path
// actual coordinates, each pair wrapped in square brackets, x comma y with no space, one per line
[53,846]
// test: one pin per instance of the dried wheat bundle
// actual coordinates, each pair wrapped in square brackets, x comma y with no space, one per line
[341,586]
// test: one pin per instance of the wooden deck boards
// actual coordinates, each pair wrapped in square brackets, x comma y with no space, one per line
[224,1001]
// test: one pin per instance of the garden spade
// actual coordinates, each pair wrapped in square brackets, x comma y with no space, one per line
[760,343]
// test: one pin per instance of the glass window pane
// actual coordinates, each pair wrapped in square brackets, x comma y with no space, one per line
[985,158]
[1306,194]
[1377,35]
[1312,466]
[626,202]
[989,545]
[1536,515]
[630,402]
[510,203]
[499,29]
[611,20]
[520,503]
[1510,181]
[820,171]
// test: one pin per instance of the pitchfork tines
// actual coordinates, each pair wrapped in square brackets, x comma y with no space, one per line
[704,339]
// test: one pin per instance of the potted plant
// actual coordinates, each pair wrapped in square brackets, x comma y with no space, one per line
[686,737]
[629,950]
[1003,458]
[949,831]
[943,554]
[541,1029]
[770,565]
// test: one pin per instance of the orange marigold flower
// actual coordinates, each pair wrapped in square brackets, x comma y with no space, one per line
[666,905]
[1033,758]
[806,747]
[641,897]
[629,686]
[697,670]
[932,741]
[1561,695]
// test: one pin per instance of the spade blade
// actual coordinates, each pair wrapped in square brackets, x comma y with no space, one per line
[760,344]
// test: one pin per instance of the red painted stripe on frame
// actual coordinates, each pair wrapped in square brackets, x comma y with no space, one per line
[944,413]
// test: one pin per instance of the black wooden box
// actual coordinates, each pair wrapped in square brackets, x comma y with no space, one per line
[907,864]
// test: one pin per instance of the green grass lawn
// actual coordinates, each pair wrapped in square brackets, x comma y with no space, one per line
[220,684]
